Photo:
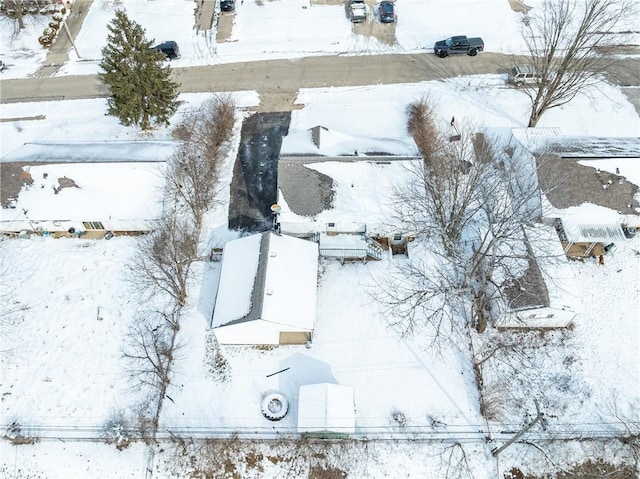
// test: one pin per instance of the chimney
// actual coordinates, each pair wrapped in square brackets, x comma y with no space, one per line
[315,135]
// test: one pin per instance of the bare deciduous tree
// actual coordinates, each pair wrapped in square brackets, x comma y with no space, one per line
[565,42]
[454,463]
[467,203]
[194,171]
[14,9]
[150,353]
[163,262]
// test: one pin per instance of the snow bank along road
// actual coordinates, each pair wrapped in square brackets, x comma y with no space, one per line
[289,75]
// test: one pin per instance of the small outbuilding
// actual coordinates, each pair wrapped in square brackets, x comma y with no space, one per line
[326,409]
[581,240]
[267,291]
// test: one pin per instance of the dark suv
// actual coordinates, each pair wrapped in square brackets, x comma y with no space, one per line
[227,5]
[170,49]
[387,14]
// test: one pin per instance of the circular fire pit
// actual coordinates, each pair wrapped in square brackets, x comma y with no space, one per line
[274,406]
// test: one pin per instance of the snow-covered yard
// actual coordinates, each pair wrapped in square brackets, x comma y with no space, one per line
[64,365]
[67,303]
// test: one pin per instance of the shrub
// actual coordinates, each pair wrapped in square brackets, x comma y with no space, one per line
[117,430]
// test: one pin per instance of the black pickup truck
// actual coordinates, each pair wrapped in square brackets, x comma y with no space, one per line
[458,44]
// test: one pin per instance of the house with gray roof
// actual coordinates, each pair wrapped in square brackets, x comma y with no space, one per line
[544,295]
[267,291]
[339,190]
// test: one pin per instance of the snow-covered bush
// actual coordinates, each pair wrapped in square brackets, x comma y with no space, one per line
[399,418]
[16,435]
[217,365]
[117,430]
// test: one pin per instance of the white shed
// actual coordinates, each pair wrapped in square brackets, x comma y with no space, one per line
[326,408]
[267,291]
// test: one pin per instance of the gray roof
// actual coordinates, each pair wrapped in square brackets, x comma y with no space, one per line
[529,290]
[257,293]
[595,147]
[566,183]
[309,192]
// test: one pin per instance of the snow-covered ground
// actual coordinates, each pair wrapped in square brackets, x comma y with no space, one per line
[61,349]
[275,29]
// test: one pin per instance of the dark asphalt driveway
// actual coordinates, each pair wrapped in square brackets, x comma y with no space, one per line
[255,173]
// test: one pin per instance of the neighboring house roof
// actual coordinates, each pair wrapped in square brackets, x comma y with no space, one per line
[566,181]
[326,407]
[325,176]
[595,147]
[268,277]
[358,191]
[326,142]
[551,140]
[91,151]
[546,296]
[122,196]
[529,290]
[577,232]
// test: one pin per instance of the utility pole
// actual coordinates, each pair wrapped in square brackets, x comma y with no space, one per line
[537,419]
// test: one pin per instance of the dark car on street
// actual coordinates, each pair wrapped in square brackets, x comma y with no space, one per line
[170,49]
[459,44]
[387,12]
[227,5]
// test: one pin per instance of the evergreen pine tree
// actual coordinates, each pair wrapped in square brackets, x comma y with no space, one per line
[140,84]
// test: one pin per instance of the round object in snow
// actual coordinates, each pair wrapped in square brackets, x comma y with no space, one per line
[274,406]
[629,232]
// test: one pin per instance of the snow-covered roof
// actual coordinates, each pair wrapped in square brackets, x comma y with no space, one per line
[323,141]
[91,151]
[534,139]
[552,140]
[268,277]
[118,193]
[577,232]
[341,192]
[238,275]
[547,296]
[326,408]
[595,147]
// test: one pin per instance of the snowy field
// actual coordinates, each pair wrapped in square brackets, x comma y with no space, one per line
[70,303]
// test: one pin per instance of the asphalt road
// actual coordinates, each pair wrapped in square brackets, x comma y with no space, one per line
[273,76]
[289,75]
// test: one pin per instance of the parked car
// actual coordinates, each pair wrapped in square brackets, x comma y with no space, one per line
[387,12]
[227,5]
[523,75]
[2,66]
[170,49]
[358,11]
[457,45]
